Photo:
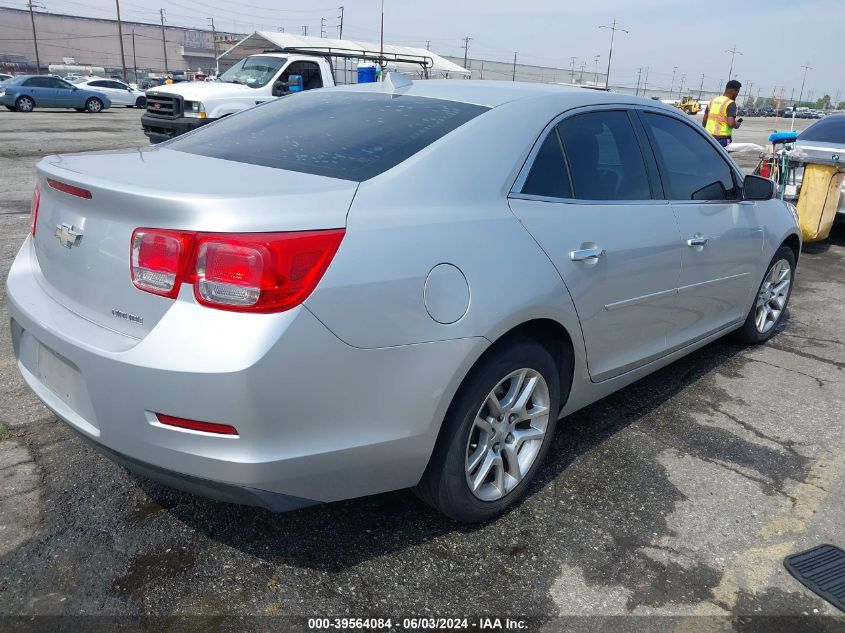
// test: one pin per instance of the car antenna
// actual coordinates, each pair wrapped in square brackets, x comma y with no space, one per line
[395,82]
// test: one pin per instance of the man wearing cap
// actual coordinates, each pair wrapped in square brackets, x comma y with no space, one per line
[720,115]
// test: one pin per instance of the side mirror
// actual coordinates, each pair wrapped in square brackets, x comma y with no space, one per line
[758,188]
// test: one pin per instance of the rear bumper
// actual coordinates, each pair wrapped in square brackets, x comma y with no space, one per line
[159,129]
[318,420]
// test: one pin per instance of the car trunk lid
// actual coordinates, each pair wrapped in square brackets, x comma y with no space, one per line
[82,244]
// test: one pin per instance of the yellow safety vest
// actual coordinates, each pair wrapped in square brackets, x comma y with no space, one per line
[717,117]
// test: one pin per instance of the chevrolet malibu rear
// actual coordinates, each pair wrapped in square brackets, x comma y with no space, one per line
[361,289]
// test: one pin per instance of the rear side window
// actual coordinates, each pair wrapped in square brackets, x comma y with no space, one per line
[831,129]
[604,157]
[39,82]
[548,175]
[692,168]
[347,135]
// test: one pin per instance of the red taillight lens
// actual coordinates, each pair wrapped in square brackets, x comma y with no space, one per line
[261,272]
[247,272]
[195,425]
[79,192]
[159,260]
[33,208]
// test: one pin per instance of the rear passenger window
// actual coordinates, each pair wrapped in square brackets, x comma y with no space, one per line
[604,157]
[548,175]
[692,168]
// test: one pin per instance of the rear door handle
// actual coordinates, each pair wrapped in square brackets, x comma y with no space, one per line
[587,254]
[697,241]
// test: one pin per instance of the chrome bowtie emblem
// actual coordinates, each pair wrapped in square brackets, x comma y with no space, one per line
[67,236]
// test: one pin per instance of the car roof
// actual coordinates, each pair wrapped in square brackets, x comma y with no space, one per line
[494,93]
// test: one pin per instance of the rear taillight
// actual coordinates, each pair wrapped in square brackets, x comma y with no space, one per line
[79,192]
[158,260]
[246,272]
[33,208]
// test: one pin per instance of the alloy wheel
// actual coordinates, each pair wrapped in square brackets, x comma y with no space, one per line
[771,299]
[507,434]
[25,104]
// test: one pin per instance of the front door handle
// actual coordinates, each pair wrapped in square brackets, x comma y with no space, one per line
[587,254]
[697,241]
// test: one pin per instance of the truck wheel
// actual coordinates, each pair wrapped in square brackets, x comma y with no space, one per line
[24,104]
[94,105]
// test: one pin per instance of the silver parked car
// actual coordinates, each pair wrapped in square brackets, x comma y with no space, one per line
[824,142]
[372,287]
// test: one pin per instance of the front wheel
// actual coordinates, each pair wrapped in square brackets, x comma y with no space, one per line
[94,105]
[24,104]
[771,300]
[495,434]
[141,102]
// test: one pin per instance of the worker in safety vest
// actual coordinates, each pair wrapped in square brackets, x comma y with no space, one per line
[720,115]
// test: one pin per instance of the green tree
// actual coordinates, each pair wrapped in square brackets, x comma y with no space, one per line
[823,103]
[841,105]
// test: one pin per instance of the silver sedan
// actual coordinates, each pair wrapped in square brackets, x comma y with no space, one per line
[367,288]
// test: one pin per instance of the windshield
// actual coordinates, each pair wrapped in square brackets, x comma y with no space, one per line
[831,129]
[254,72]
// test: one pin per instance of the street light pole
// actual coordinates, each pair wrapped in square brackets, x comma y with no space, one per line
[733,53]
[613,28]
[806,67]
[34,38]
[120,35]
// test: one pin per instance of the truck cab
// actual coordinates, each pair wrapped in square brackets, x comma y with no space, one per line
[181,107]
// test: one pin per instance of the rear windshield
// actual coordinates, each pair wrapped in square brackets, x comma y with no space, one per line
[347,135]
[831,129]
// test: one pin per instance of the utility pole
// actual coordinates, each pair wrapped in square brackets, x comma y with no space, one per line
[214,40]
[613,28]
[134,57]
[120,36]
[340,24]
[305,29]
[163,41]
[639,76]
[596,76]
[672,85]
[750,90]
[381,49]
[681,89]
[322,27]
[514,67]
[572,70]
[30,4]
[466,49]
[645,83]
[733,53]
[581,78]
[428,45]
[701,87]
[806,67]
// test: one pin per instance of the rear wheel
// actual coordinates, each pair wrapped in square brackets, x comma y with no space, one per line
[771,300]
[94,105]
[141,102]
[495,435]
[24,104]
[10,108]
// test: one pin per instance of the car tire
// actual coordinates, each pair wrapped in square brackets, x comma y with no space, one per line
[141,102]
[10,108]
[24,104]
[482,445]
[80,109]
[94,105]
[771,299]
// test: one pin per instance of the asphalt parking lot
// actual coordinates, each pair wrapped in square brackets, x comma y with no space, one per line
[678,496]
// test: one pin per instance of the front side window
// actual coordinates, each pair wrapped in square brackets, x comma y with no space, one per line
[340,134]
[61,84]
[548,175]
[692,168]
[604,157]
[255,71]
[98,84]
[309,71]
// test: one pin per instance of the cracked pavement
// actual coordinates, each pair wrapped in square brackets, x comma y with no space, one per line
[678,496]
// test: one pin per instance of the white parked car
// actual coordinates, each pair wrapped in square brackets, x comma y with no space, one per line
[121,94]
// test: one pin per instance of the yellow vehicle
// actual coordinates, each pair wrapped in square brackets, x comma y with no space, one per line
[688,105]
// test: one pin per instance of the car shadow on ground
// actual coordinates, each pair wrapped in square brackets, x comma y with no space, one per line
[339,535]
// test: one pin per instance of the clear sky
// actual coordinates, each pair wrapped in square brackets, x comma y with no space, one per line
[775,37]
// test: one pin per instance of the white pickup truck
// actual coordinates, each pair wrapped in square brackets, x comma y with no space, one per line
[181,107]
